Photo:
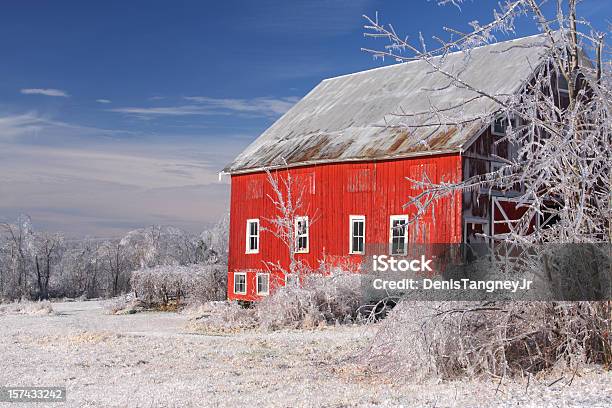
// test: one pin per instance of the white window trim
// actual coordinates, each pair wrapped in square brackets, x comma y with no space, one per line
[396,218]
[266,293]
[246,283]
[302,251]
[248,250]
[351,219]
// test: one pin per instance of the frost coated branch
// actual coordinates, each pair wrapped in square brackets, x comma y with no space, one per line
[287,197]
[560,169]
[562,150]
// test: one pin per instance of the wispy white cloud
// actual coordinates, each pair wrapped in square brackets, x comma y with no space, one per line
[74,178]
[14,126]
[33,125]
[45,91]
[103,100]
[166,110]
[102,191]
[204,105]
[263,105]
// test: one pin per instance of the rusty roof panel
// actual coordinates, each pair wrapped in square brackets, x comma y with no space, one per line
[353,117]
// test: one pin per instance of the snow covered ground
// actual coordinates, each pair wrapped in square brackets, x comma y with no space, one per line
[153,360]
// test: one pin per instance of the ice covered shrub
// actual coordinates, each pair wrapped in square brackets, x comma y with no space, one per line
[320,299]
[125,304]
[208,284]
[41,308]
[464,339]
[158,286]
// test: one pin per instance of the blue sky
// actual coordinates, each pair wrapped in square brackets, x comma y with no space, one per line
[119,114]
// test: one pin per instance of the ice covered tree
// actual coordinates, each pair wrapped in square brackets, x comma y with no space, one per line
[293,216]
[18,249]
[213,244]
[48,252]
[562,140]
[113,256]
[82,270]
[561,171]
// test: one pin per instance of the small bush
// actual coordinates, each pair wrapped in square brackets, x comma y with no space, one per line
[320,300]
[42,308]
[160,286]
[464,339]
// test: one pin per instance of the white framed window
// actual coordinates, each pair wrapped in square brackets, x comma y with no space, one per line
[301,235]
[263,284]
[398,235]
[252,236]
[357,234]
[240,283]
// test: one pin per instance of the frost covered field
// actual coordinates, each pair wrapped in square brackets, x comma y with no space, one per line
[153,360]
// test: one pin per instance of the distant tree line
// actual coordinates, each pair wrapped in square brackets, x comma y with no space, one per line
[42,265]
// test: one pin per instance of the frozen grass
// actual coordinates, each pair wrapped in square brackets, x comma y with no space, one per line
[152,360]
[220,317]
[29,308]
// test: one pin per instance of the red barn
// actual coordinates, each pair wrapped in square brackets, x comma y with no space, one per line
[344,143]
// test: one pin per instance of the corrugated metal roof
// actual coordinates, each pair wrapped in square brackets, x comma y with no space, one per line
[351,117]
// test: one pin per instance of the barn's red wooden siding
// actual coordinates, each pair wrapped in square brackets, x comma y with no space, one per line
[338,190]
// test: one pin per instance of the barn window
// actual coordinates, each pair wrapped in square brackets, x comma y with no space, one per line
[263,284]
[475,231]
[240,284]
[500,125]
[398,235]
[252,236]
[357,234]
[301,234]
